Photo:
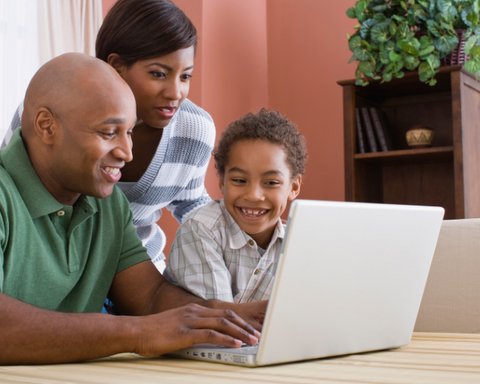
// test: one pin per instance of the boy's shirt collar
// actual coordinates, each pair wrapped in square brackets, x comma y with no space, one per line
[239,238]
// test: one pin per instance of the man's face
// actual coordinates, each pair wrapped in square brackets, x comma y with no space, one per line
[94,142]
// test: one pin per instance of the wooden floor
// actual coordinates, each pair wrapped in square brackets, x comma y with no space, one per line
[429,358]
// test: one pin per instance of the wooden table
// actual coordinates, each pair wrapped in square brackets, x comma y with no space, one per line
[430,358]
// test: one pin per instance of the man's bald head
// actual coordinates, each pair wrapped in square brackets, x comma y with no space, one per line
[76,125]
[70,85]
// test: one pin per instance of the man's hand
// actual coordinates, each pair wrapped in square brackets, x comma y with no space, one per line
[192,324]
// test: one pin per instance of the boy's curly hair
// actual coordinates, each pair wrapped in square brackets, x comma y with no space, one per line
[266,125]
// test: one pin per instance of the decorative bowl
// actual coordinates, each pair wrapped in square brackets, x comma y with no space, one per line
[420,136]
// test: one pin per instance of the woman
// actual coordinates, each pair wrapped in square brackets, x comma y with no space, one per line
[151,44]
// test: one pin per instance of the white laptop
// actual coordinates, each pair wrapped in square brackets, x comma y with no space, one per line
[350,279]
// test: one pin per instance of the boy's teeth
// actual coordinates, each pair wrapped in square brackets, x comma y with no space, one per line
[113,171]
[251,212]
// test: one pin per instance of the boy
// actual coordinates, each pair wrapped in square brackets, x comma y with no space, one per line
[229,249]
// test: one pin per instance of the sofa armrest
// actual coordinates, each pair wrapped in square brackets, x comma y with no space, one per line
[451,301]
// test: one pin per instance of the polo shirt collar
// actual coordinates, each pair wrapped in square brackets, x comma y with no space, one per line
[239,238]
[38,200]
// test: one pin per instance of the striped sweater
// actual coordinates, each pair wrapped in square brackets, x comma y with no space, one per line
[175,177]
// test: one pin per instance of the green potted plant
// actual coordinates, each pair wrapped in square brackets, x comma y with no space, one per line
[398,35]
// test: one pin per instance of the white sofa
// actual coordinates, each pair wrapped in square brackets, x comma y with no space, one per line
[451,302]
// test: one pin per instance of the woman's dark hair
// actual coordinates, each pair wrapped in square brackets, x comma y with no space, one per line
[143,29]
[268,125]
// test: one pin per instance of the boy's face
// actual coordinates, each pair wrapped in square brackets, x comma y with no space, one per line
[257,186]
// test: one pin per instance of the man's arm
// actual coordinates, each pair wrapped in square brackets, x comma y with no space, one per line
[29,335]
[142,290]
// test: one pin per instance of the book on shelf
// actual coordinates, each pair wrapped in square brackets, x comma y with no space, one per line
[372,143]
[361,146]
[381,129]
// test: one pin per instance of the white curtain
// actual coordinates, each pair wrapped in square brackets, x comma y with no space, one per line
[68,26]
[19,54]
[33,32]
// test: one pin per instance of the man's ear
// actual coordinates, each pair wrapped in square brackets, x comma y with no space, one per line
[296,183]
[116,62]
[45,125]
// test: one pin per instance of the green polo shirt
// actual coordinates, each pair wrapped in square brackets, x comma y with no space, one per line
[55,256]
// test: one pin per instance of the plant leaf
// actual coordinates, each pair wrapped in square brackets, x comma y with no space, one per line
[409,59]
[469,44]
[426,51]
[394,56]
[380,33]
[423,3]
[425,72]
[433,61]
[380,8]
[425,42]
[366,68]
[467,15]
[351,13]
[360,7]
[410,49]
[361,53]
[365,30]
[472,65]
[354,42]
[447,7]
[433,27]
[411,65]
[446,43]
[380,17]
[387,77]
[402,31]
[475,51]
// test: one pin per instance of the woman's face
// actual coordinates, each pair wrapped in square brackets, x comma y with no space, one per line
[160,85]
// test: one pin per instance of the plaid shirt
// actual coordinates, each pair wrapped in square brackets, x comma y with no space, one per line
[213,258]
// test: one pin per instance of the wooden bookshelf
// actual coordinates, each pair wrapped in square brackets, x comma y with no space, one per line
[446,174]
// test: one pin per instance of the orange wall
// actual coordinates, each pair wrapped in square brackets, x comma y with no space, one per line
[283,54]
[106,5]
[307,54]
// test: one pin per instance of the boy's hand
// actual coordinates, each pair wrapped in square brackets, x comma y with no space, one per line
[253,313]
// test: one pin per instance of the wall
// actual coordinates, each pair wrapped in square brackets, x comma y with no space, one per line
[106,5]
[307,54]
[283,54]
[231,67]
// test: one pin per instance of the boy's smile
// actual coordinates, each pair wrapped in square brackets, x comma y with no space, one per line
[256,186]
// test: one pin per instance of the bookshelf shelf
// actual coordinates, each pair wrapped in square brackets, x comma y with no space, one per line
[404,156]
[446,174]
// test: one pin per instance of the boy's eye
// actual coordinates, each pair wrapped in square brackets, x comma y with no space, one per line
[272,183]
[108,134]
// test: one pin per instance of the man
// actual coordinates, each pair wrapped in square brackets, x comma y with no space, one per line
[67,239]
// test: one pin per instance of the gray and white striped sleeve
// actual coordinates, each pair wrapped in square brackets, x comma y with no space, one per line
[14,124]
